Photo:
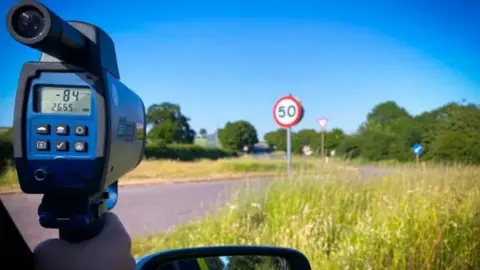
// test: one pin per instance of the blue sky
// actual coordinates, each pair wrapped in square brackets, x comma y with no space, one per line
[231,60]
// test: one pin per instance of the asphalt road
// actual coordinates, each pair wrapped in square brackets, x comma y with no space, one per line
[143,209]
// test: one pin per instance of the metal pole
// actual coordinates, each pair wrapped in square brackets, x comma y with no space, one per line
[289,151]
[418,158]
[322,144]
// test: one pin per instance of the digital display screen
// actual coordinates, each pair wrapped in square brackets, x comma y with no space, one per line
[65,100]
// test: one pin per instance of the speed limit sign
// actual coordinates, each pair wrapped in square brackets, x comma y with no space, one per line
[287,111]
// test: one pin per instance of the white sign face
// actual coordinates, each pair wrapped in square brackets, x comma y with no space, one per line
[322,122]
[287,112]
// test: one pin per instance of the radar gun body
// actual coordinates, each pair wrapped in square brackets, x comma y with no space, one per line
[77,127]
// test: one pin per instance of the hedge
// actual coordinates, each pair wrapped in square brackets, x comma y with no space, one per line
[6,152]
[185,152]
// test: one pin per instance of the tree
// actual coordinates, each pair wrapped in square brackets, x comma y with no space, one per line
[307,136]
[167,131]
[277,139]
[350,147]
[389,133]
[382,114]
[169,124]
[235,135]
[374,145]
[457,133]
[333,139]
[203,132]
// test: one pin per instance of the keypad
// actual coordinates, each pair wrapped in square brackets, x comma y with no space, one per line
[61,145]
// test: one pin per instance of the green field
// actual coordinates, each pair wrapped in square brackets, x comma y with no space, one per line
[201,141]
[413,218]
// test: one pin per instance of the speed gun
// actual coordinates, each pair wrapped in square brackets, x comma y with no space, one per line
[77,128]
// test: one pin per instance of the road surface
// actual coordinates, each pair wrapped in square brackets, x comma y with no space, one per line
[143,209]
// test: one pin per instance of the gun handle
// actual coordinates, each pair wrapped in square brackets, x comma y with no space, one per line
[82,234]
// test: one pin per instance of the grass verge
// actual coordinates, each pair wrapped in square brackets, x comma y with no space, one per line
[164,170]
[412,218]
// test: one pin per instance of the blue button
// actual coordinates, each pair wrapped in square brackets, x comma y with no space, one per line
[80,146]
[81,130]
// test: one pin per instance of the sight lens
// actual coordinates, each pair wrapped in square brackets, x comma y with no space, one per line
[28,22]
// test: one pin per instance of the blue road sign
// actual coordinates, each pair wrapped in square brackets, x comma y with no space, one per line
[417,149]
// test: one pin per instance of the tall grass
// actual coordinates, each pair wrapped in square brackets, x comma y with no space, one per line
[8,180]
[410,219]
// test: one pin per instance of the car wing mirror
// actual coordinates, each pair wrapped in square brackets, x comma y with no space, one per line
[226,258]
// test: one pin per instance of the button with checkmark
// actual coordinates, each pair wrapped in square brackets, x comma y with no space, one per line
[61,146]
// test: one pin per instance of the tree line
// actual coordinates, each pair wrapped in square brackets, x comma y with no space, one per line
[449,133]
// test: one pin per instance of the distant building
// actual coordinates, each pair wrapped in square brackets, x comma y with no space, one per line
[210,140]
[261,147]
[213,141]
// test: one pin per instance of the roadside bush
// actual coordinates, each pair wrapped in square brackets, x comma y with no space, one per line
[185,152]
[6,152]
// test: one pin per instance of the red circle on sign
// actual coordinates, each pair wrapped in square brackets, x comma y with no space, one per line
[297,117]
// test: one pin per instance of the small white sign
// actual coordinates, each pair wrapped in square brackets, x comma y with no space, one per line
[322,122]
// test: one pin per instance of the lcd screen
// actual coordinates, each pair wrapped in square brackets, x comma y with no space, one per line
[65,100]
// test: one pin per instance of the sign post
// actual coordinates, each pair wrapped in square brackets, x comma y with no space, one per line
[289,150]
[287,112]
[322,122]
[417,150]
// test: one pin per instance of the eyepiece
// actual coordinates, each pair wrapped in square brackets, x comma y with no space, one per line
[28,22]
